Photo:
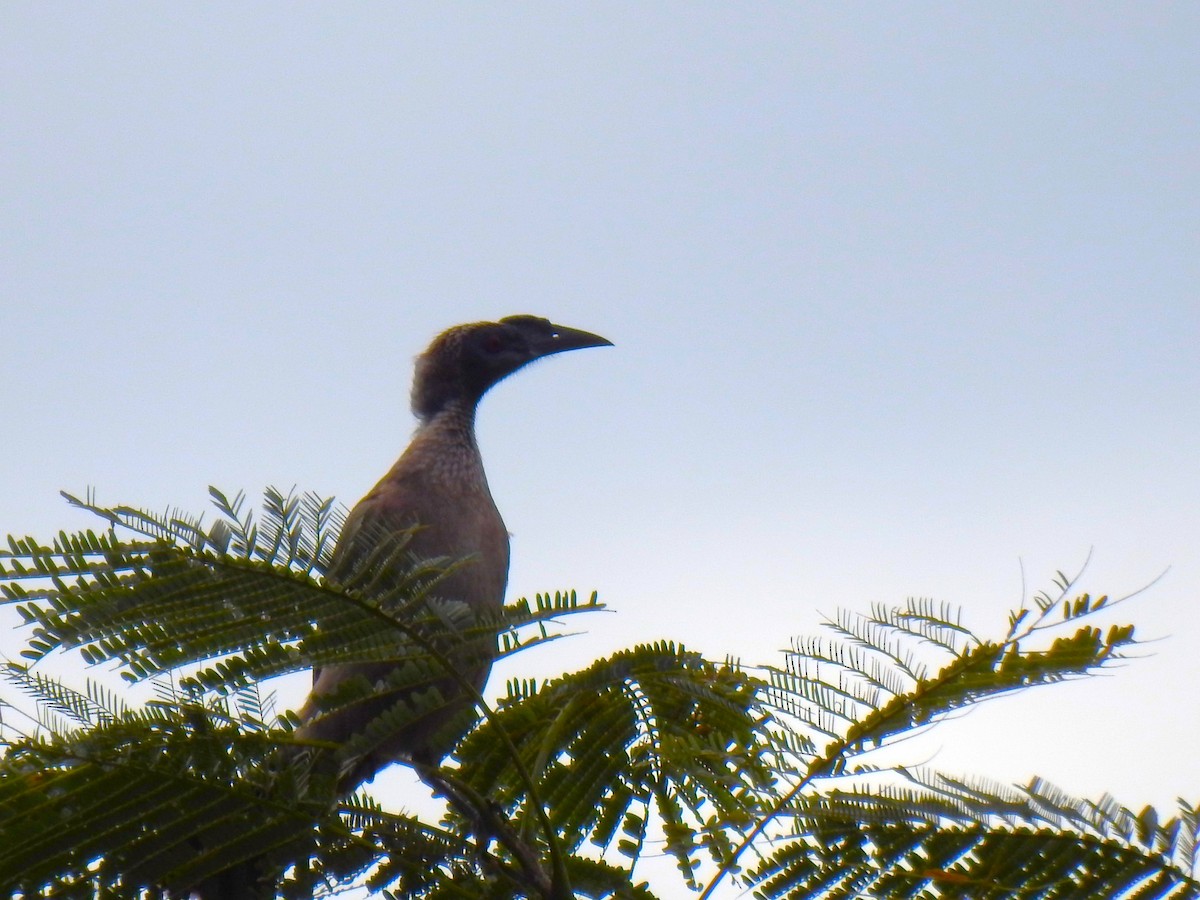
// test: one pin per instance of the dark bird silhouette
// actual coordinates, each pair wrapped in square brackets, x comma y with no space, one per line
[438,485]
[434,503]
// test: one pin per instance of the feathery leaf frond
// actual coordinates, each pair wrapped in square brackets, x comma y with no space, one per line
[569,780]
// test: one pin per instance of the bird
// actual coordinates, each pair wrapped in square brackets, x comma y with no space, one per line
[436,503]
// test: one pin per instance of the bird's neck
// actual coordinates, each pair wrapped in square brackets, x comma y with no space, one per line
[445,445]
[453,423]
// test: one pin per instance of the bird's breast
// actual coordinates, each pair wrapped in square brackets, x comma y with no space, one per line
[446,495]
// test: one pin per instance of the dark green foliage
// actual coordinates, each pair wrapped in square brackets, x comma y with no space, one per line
[759,777]
[652,730]
[947,838]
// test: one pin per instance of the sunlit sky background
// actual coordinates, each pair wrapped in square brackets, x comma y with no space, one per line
[904,300]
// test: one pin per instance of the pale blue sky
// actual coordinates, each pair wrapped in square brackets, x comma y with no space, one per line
[902,296]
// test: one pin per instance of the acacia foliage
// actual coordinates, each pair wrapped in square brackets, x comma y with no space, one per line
[758,776]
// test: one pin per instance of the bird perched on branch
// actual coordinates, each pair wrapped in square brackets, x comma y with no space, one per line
[439,486]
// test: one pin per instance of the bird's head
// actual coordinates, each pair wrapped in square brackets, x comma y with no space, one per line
[463,362]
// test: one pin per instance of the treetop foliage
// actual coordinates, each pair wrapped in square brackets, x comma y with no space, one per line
[762,777]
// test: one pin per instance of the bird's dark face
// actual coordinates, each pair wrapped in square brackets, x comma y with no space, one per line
[463,362]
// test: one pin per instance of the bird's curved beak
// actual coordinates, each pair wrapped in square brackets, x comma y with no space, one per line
[560,339]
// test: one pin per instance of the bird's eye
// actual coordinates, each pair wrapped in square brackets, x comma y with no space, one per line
[492,343]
